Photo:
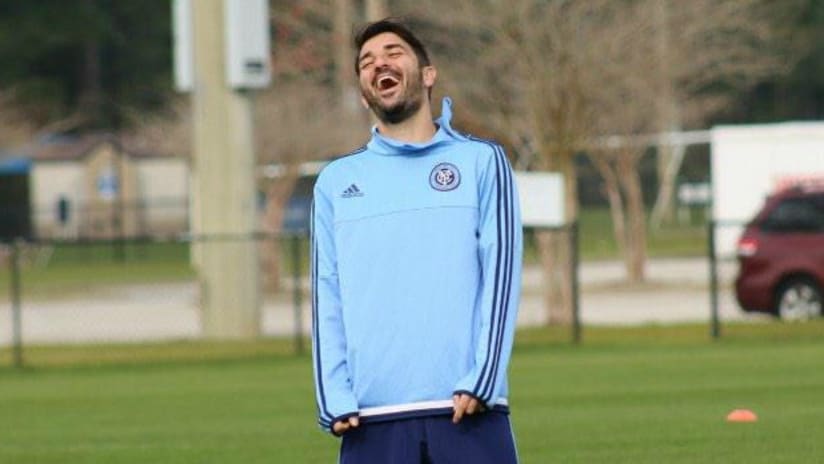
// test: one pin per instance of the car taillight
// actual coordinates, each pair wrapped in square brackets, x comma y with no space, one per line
[747,246]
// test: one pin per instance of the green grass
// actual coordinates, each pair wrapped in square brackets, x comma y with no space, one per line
[48,272]
[598,241]
[626,395]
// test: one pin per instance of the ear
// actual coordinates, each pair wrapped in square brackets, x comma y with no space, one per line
[430,75]
[364,102]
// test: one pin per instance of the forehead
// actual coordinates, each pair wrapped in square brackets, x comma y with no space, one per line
[382,41]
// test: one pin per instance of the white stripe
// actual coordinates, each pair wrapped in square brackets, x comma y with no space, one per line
[418,406]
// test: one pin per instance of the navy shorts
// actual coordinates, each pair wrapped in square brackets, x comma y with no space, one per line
[478,439]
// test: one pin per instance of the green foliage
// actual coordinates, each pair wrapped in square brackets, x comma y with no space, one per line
[627,395]
[797,94]
[114,54]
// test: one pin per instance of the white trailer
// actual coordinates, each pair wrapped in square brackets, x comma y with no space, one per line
[751,162]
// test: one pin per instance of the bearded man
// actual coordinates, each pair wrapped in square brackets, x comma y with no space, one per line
[416,262]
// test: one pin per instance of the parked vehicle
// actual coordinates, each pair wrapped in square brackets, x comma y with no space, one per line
[781,256]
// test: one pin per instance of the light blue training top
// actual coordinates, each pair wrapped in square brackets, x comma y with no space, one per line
[416,268]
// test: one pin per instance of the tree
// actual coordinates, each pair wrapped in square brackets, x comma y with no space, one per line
[90,62]
[556,75]
[707,53]
[536,72]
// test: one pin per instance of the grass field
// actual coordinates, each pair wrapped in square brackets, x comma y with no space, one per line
[626,395]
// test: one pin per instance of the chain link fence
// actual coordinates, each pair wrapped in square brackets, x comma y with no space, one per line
[136,289]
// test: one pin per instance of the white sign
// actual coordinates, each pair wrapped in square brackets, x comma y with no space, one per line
[541,198]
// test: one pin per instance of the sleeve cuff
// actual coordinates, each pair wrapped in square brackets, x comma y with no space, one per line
[466,392]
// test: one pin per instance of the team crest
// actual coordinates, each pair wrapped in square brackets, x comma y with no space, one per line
[445,177]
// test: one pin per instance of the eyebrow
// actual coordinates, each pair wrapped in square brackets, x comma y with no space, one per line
[388,46]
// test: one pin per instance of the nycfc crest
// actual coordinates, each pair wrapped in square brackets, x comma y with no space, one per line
[445,177]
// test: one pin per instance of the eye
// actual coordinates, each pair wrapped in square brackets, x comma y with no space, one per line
[366,64]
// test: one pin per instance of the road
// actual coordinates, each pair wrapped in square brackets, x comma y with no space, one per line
[676,291]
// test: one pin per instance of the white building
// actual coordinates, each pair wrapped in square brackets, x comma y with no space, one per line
[92,187]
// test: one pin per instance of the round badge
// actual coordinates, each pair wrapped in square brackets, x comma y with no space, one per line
[445,177]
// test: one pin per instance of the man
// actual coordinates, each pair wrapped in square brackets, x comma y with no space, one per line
[416,250]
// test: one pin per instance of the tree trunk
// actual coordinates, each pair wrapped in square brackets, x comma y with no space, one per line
[555,249]
[277,196]
[616,203]
[670,159]
[637,235]
[547,243]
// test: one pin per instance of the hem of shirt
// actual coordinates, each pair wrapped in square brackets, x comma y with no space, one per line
[417,413]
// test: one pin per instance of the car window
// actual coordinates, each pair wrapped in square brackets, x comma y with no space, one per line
[796,215]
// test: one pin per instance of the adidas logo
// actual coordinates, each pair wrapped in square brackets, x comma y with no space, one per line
[352,191]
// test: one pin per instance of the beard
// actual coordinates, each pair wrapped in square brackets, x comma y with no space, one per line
[408,103]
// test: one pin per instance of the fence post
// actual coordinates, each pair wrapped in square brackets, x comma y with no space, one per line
[574,261]
[16,313]
[297,296]
[715,328]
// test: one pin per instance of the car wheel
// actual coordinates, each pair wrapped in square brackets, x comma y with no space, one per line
[799,299]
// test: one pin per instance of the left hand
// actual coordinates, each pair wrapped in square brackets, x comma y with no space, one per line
[465,404]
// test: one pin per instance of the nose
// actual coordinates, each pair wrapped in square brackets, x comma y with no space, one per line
[380,61]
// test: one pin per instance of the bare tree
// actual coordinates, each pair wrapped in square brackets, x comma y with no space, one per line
[674,89]
[701,44]
[534,71]
[558,74]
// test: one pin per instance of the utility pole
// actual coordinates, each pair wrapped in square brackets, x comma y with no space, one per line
[376,9]
[344,56]
[224,185]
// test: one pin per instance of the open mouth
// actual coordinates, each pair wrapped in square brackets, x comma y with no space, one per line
[387,82]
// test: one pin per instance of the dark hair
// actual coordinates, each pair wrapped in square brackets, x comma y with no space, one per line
[396,27]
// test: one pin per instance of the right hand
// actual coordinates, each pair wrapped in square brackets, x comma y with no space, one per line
[341,427]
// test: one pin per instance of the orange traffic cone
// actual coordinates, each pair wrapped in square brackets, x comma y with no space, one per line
[741,415]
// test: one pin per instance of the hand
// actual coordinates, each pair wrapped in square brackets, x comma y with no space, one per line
[341,427]
[465,404]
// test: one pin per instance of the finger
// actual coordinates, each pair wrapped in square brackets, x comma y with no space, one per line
[354,421]
[472,406]
[460,407]
[340,427]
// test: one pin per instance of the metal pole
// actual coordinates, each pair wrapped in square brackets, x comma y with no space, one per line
[17,319]
[574,261]
[715,330]
[297,296]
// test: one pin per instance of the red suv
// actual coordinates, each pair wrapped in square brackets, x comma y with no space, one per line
[781,256]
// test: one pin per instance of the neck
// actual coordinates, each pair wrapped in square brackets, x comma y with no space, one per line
[417,129]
